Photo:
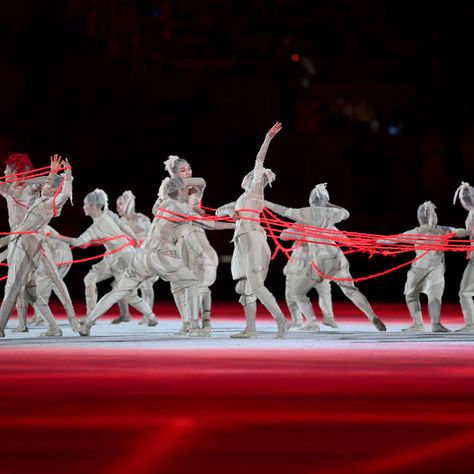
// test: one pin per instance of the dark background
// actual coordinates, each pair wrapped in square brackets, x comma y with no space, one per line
[376,99]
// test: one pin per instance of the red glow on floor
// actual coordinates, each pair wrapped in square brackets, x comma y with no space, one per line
[328,410]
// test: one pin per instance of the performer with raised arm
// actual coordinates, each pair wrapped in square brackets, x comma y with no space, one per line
[26,251]
[426,274]
[158,257]
[193,246]
[329,258]
[140,225]
[251,257]
[466,290]
[20,193]
[119,242]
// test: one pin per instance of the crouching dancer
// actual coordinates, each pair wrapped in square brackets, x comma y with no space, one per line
[329,258]
[27,252]
[158,258]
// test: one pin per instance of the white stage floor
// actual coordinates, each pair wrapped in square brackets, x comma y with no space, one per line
[131,335]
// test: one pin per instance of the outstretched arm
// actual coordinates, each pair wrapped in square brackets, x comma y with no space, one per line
[257,176]
[262,153]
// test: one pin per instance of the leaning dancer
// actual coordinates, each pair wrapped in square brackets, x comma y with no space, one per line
[193,246]
[328,258]
[27,251]
[118,240]
[140,225]
[158,258]
[466,291]
[251,257]
[426,274]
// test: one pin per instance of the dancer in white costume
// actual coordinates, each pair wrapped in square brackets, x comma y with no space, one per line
[193,246]
[297,265]
[140,225]
[158,257]
[251,257]
[426,275]
[117,238]
[20,193]
[27,251]
[328,258]
[466,290]
[61,253]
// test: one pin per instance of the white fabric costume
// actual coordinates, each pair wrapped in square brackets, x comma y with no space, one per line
[60,252]
[27,252]
[193,246]
[466,290]
[19,195]
[297,265]
[107,225]
[251,257]
[426,275]
[158,257]
[140,225]
[328,258]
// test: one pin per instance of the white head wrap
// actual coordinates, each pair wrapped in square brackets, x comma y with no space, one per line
[172,164]
[268,177]
[466,196]
[319,196]
[127,199]
[427,215]
[169,186]
[98,198]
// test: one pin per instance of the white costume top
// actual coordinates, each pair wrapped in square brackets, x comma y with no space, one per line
[107,224]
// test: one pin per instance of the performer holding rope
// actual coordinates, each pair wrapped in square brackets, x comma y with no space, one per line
[193,246]
[117,237]
[326,259]
[27,251]
[251,257]
[426,274]
[158,257]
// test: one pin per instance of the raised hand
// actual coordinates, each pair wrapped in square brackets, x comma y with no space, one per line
[274,130]
[55,163]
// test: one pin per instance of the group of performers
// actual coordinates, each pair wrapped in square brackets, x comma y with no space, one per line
[174,247]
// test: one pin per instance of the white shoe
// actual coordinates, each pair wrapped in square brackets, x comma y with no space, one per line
[415,327]
[184,329]
[21,328]
[283,325]
[75,324]
[121,319]
[245,334]
[37,321]
[195,330]
[438,327]
[296,324]
[152,321]
[378,323]
[331,322]
[468,328]
[206,324]
[85,328]
[206,330]
[52,331]
[312,326]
